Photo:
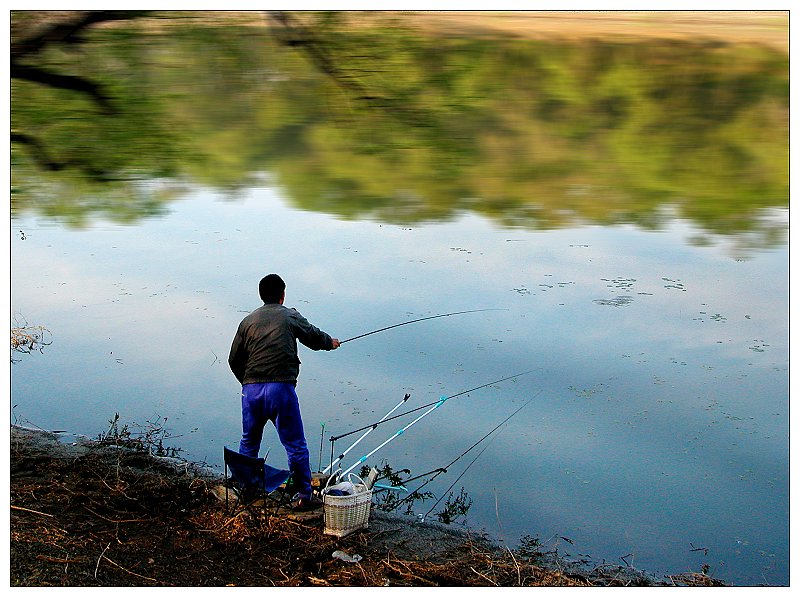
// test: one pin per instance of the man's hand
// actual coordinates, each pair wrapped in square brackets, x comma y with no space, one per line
[336,343]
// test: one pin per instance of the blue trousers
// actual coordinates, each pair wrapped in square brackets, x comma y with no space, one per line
[276,402]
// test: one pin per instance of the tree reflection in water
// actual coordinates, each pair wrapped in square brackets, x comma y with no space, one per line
[385,122]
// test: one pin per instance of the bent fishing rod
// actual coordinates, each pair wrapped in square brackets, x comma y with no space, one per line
[389,327]
[433,406]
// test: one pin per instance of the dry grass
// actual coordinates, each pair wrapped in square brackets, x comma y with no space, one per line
[100,516]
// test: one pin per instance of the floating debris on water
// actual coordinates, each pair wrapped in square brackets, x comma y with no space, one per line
[587,392]
[675,284]
[626,283]
[620,301]
[716,317]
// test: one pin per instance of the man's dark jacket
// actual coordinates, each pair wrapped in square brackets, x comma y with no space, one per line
[265,346]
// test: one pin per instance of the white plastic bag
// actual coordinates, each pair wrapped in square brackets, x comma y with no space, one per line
[340,555]
[346,487]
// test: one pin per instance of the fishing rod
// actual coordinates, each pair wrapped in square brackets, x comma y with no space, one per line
[400,432]
[424,516]
[321,441]
[335,438]
[440,470]
[434,406]
[370,430]
[416,320]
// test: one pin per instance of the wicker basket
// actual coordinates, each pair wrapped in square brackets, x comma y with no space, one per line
[345,514]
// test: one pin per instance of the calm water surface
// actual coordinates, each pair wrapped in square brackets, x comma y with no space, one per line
[622,208]
[659,370]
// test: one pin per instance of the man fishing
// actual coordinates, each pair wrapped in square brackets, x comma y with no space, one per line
[264,359]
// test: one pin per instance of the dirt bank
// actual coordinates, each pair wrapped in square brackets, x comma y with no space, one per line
[91,514]
[769,28]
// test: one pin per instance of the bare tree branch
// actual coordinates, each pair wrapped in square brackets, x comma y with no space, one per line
[69,32]
[37,151]
[291,34]
[66,32]
[59,81]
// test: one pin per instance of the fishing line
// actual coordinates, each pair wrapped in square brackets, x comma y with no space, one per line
[416,320]
[386,420]
[441,470]
[354,444]
[434,406]
[397,434]
[456,481]
[334,438]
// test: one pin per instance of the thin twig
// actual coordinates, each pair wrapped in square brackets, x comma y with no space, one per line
[232,518]
[497,514]
[60,560]
[118,521]
[110,561]
[13,507]
[519,573]
[384,532]
[97,567]
[483,576]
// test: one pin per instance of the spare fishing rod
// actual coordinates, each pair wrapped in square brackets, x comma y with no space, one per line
[389,327]
[370,430]
[397,434]
[335,438]
[441,470]
[424,516]
[434,406]
[444,468]
[386,418]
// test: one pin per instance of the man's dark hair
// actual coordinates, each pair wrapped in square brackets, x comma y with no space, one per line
[271,288]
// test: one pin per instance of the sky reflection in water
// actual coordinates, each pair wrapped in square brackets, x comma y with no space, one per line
[660,369]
